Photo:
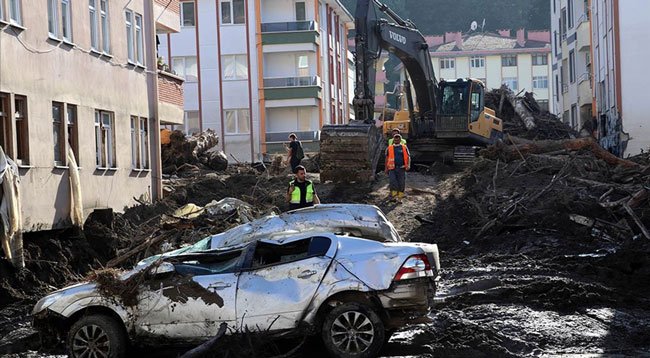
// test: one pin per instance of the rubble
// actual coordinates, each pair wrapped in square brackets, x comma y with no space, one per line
[200,149]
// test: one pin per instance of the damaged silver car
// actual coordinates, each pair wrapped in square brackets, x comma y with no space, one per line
[351,291]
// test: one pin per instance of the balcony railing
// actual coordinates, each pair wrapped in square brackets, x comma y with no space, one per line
[289,26]
[303,81]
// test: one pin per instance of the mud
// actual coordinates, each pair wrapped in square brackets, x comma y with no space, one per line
[181,288]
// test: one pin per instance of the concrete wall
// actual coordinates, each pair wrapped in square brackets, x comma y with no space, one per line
[54,71]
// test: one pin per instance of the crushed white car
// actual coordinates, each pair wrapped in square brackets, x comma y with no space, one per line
[351,291]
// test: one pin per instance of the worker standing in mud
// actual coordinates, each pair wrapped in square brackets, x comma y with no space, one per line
[301,193]
[398,161]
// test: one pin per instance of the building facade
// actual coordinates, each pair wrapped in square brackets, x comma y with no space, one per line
[258,70]
[521,62]
[618,32]
[83,74]
[572,80]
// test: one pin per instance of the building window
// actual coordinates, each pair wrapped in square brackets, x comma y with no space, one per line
[570,13]
[2,11]
[66,20]
[103,12]
[58,133]
[563,20]
[139,51]
[94,30]
[104,140]
[128,14]
[572,66]
[186,67]
[235,67]
[540,59]
[540,82]
[192,122]
[511,82]
[509,60]
[301,13]
[5,125]
[233,12]
[15,12]
[22,133]
[139,143]
[73,133]
[304,119]
[477,61]
[302,64]
[53,18]
[237,121]
[188,14]
[447,63]
[574,116]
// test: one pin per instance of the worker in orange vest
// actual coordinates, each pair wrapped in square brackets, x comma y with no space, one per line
[398,161]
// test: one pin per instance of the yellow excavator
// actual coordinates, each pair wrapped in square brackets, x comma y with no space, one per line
[448,114]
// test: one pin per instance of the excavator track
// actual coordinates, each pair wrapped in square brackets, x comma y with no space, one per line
[349,153]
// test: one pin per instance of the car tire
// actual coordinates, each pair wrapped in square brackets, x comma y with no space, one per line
[353,330]
[99,334]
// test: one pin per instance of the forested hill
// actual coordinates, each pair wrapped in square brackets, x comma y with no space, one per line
[433,17]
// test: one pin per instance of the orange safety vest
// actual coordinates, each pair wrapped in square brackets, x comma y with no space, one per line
[390,160]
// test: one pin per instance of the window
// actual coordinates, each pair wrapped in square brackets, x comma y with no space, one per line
[540,59]
[511,82]
[233,12]
[563,24]
[574,116]
[73,133]
[186,67]
[477,61]
[509,60]
[540,82]
[476,102]
[15,12]
[237,121]
[128,14]
[188,14]
[572,66]
[5,125]
[139,143]
[447,63]
[53,17]
[302,64]
[104,140]
[304,119]
[2,11]
[58,133]
[570,13]
[139,51]
[301,13]
[235,67]
[103,12]
[192,125]
[66,20]
[94,36]
[22,133]
[267,253]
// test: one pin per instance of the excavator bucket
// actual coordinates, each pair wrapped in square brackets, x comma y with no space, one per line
[350,152]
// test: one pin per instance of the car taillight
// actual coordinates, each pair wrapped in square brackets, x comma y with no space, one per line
[415,266]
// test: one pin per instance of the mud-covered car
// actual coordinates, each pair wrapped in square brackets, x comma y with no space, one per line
[351,291]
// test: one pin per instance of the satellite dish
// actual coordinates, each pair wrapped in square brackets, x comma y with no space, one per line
[473,26]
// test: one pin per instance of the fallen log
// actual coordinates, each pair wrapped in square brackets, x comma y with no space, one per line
[522,147]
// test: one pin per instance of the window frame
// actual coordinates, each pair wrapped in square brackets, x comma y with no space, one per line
[511,80]
[184,66]
[186,124]
[104,23]
[105,150]
[140,159]
[182,13]
[474,60]
[304,9]
[130,46]
[22,130]
[66,20]
[6,134]
[53,18]
[572,66]
[224,64]
[59,127]
[537,57]
[237,112]
[447,63]
[139,40]
[231,12]
[72,130]
[94,24]
[538,80]
[509,60]
[15,11]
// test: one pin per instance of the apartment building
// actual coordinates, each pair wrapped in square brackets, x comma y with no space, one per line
[256,71]
[619,33]
[84,74]
[522,62]
[572,79]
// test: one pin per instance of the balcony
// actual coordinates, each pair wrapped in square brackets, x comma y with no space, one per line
[167,14]
[277,33]
[292,87]
[170,98]
[584,89]
[584,36]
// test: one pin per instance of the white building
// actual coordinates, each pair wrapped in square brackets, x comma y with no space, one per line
[572,61]
[521,62]
[256,71]
[620,34]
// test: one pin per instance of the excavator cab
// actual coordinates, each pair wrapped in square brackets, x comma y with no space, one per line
[462,116]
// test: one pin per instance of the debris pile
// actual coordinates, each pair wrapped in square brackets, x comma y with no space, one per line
[523,117]
[183,154]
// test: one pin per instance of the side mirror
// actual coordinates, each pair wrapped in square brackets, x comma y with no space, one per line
[163,267]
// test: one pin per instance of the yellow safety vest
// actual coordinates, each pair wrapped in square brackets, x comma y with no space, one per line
[295,196]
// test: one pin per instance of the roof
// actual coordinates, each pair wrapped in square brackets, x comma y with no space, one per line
[484,42]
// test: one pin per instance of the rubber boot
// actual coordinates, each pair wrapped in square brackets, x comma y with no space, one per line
[393,193]
[400,194]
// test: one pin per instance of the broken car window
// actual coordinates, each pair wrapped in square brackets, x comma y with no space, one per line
[209,264]
[267,253]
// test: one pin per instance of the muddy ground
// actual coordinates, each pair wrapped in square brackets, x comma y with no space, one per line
[532,284]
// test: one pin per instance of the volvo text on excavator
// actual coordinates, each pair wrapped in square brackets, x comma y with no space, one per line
[448,113]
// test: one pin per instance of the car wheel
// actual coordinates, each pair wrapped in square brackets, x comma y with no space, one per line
[96,336]
[353,330]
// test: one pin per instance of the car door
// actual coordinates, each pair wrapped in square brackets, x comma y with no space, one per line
[189,302]
[280,280]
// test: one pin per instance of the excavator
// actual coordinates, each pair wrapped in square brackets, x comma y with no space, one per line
[448,113]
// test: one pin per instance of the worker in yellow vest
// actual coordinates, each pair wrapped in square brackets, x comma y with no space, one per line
[398,161]
[301,193]
[395,131]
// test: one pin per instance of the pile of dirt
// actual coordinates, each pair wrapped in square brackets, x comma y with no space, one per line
[181,153]
[541,123]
